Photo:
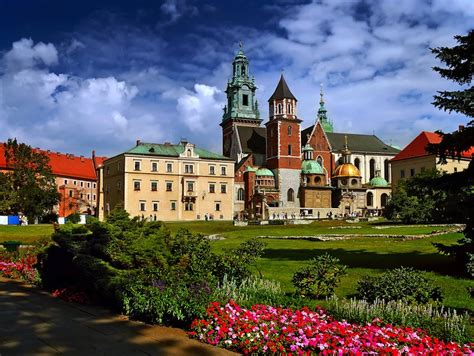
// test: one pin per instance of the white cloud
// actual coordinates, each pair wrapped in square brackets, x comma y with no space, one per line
[26,55]
[200,108]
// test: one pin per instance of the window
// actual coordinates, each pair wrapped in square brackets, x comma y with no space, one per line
[402,173]
[75,182]
[317,180]
[289,130]
[136,185]
[188,153]
[107,171]
[136,165]
[289,150]
[173,205]
[188,168]
[354,181]
[372,168]
[386,170]
[245,100]
[357,163]
[289,108]
[384,200]
[279,109]
[218,206]
[82,195]
[188,206]
[82,184]
[93,197]
[412,172]
[240,194]
[455,169]
[142,205]
[242,72]
[154,166]
[70,193]
[291,195]
[88,196]
[94,185]
[154,186]
[65,181]
[223,171]
[370,199]
[212,170]
[212,188]
[223,188]
[155,206]
[190,186]
[88,185]
[169,186]
[169,167]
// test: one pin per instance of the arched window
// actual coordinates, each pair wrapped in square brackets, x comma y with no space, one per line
[357,163]
[289,109]
[320,160]
[289,130]
[370,199]
[240,194]
[372,168]
[386,170]
[291,195]
[317,180]
[279,109]
[243,70]
[383,200]
[289,150]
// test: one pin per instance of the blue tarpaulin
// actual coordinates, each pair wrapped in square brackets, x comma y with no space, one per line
[13,220]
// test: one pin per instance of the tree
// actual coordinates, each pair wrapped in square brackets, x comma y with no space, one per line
[28,183]
[459,61]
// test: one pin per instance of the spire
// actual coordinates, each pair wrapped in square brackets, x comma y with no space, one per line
[346,153]
[282,91]
[322,113]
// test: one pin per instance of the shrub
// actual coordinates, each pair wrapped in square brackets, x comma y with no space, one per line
[320,277]
[442,323]
[74,218]
[401,283]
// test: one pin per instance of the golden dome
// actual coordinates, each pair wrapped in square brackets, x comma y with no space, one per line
[346,170]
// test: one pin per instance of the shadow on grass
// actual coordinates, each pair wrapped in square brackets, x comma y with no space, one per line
[433,262]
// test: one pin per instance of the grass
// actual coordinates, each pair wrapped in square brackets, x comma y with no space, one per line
[25,234]
[363,255]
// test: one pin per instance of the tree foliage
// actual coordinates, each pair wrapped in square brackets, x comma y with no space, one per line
[28,185]
[459,62]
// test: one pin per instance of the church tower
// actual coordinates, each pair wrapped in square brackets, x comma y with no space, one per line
[284,143]
[322,114]
[242,106]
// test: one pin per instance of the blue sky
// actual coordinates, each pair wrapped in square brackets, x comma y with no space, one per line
[84,75]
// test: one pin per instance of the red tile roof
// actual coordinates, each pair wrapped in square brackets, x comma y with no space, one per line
[417,147]
[66,165]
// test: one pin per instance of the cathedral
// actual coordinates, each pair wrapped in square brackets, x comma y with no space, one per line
[284,171]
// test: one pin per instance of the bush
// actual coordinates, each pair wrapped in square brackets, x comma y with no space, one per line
[74,218]
[402,283]
[320,277]
[442,323]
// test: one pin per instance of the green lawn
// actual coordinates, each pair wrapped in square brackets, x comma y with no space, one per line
[26,234]
[363,255]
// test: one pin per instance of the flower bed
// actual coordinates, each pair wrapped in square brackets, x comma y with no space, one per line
[22,268]
[266,329]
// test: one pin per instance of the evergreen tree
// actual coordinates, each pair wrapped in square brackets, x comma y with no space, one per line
[459,61]
[28,185]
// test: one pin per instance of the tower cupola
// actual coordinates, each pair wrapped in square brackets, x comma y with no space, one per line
[282,103]
[322,114]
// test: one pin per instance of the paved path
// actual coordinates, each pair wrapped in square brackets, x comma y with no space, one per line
[34,323]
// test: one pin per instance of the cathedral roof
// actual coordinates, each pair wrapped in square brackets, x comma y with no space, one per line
[252,139]
[346,170]
[282,91]
[358,142]
[264,172]
[311,167]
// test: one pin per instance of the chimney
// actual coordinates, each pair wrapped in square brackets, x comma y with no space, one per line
[167,144]
[139,142]
[93,154]
[82,158]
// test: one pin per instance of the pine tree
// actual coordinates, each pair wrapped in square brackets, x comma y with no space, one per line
[459,61]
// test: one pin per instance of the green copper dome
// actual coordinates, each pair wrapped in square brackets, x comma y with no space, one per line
[311,167]
[378,182]
[250,169]
[265,172]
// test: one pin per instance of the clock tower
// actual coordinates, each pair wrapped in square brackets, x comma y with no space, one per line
[242,106]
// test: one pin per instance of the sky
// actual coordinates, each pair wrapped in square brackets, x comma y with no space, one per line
[77,76]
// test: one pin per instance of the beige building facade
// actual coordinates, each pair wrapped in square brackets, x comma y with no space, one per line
[168,182]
